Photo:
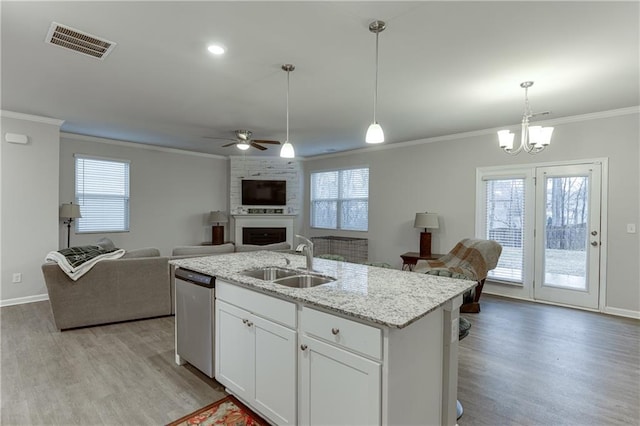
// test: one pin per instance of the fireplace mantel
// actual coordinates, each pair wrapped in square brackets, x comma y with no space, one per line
[263,221]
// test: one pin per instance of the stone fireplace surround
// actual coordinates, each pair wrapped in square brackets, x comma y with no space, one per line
[263,221]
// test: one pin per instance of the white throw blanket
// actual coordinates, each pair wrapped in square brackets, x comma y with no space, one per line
[77,261]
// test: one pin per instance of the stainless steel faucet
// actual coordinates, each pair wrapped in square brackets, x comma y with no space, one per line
[307,248]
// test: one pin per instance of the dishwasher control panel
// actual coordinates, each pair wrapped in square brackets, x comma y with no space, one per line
[195,277]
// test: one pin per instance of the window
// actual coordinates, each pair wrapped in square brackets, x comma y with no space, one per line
[340,199]
[102,191]
[504,222]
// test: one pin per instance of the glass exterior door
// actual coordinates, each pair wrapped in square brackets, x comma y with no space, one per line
[567,238]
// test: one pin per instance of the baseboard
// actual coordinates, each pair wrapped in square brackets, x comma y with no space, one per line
[22,300]
[607,310]
[622,312]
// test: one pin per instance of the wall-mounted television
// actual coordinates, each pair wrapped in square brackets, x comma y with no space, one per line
[264,192]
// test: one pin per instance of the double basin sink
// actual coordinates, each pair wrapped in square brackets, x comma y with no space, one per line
[288,277]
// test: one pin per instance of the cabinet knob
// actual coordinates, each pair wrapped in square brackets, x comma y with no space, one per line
[244,321]
[303,347]
[249,323]
[335,331]
[594,243]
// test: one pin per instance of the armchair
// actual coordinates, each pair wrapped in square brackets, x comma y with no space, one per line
[470,259]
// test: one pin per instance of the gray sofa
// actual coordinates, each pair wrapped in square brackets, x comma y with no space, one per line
[138,285]
[135,286]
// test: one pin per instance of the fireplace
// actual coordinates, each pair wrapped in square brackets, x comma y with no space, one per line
[278,227]
[263,236]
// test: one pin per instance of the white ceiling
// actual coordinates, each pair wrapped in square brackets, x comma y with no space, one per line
[445,68]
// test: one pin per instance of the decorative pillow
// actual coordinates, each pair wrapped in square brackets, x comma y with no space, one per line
[141,252]
[252,247]
[106,244]
[203,250]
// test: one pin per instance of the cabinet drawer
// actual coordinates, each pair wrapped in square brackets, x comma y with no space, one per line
[343,332]
[272,308]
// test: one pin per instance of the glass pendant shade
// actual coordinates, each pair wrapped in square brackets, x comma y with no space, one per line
[287,150]
[540,136]
[374,134]
[505,138]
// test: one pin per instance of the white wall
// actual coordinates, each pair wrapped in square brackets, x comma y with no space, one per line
[29,197]
[439,176]
[172,193]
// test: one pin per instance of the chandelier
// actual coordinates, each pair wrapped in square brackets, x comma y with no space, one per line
[533,139]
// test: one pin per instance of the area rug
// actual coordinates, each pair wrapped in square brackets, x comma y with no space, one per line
[228,412]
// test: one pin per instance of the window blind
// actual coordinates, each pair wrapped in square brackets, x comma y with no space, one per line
[102,191]
[505,223]
[340,199]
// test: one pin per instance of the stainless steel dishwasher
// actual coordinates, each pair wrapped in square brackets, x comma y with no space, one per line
[194,319]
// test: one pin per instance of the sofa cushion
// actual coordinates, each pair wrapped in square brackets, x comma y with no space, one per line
[203,250]
[141,252]
[252,247]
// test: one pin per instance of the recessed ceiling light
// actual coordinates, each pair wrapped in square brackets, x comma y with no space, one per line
[216,49]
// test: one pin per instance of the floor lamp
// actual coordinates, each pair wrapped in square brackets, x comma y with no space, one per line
[426,220]
[69,212]
[217,230]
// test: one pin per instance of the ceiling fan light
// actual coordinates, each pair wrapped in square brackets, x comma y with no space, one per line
[216,49]
[374,134]
[287,150]
[243,146]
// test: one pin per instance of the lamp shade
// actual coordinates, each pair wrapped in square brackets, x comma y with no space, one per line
[70,211]
[426,220]
[287,150]
[374,134]
[217,217]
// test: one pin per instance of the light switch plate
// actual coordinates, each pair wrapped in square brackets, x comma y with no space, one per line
[631,228]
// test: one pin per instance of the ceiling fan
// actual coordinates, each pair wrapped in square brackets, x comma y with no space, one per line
[243,141]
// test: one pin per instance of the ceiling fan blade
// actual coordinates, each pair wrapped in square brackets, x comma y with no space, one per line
[255,145]
[266,141]
[229,144]
[220,139]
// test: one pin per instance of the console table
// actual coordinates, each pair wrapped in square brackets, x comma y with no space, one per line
[410,258]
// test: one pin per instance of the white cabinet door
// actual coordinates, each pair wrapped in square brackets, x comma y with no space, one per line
[338,386]
[256,360]
[234,350]
[275,371]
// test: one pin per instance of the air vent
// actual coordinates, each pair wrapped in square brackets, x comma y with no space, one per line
[78,41]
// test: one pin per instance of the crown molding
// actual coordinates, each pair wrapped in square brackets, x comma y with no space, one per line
[29,117]
[483,132]
[81,137]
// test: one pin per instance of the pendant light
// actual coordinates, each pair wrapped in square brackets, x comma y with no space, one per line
[287,150]
[533,139]
[374,132]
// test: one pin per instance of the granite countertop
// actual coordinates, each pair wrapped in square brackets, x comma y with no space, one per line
[388,297]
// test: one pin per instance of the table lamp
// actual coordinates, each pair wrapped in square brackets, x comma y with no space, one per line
[426,220]
[217,230]
[69,212]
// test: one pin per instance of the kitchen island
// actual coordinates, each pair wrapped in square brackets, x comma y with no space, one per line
[375,346]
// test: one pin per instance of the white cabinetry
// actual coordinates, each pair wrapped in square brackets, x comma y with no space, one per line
[256,350]
[339,386]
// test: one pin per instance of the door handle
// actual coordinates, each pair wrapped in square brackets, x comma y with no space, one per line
[594,243]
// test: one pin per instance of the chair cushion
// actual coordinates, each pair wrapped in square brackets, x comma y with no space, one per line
[141,252]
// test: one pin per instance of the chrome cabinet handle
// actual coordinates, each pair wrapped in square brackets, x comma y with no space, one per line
[303,347]
[335,331]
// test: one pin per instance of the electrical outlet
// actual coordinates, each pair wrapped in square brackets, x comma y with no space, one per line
[17,277]
[631,228]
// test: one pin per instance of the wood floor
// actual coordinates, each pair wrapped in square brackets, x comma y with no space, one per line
[522,364]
